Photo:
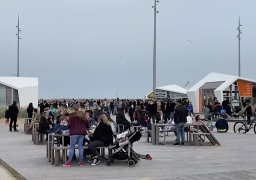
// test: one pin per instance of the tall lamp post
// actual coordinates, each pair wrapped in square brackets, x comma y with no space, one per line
[154,48]
[239,55]
[18,47]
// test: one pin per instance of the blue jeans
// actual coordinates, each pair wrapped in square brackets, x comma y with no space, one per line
[153,121]
[73,140]
[180,132]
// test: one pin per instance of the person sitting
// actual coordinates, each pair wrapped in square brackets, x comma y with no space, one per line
[120,119]
[62,125]
[222,124]
[112,123]
[61,113]
[45,124]
[102,136]
[196,121]
[35,119]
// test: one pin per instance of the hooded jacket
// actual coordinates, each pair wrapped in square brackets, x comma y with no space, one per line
[77,125]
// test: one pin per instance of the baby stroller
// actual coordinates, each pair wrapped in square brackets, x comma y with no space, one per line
[123,150]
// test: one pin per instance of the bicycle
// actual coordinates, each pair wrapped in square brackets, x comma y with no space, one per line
[242,127]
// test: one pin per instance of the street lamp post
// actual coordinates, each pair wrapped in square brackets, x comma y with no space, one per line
[18,47]
[154,48]
[239,55]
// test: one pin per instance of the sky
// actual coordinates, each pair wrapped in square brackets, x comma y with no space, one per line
[104,48]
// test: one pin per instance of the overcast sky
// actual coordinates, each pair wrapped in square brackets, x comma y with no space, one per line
[100,48]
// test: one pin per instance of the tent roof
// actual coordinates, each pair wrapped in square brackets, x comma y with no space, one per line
[19,82]
[218,77]
[173,88]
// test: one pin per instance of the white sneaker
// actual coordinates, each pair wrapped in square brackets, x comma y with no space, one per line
[95,162]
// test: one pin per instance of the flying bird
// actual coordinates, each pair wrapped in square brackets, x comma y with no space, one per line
[189,41]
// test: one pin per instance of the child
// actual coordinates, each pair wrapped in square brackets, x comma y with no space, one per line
[7,116]
[62,125]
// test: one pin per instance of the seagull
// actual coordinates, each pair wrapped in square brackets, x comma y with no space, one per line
[189,41]
[121,57]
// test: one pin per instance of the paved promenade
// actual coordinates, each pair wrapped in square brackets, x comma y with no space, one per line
[234,160]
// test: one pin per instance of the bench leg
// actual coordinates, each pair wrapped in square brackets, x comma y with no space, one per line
[47,150]
[110,153]
[52,156]
[64,156]
[57,157]
[37,139]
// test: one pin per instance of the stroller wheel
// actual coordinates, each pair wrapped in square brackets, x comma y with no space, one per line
[131,163]
[108,163]
[148,157]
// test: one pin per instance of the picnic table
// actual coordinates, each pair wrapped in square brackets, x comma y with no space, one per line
[155,132]
[53,148]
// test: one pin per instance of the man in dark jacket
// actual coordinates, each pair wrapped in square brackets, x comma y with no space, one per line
[13,112]
[180,119]
[131,111]
[41,106]
[120,119]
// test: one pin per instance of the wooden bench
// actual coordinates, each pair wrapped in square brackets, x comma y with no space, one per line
[39,138]
[34,130]
[27,124]
[55,157]
[199,138]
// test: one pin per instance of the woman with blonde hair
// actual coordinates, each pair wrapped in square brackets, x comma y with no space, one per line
[102,136]
[35,119]
[77,129]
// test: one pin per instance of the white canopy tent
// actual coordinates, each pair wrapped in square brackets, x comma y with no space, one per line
[23,90]
[216,84]
[172,91]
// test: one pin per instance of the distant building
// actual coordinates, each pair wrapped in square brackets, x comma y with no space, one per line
[172,91]
[23,90]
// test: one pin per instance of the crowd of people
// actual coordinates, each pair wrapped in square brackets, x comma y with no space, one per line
[89,121]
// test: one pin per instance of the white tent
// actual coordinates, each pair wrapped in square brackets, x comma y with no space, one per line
[217,82]
[24,90]
[173,90]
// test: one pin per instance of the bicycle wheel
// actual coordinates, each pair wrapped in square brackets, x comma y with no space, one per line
[239,127]
[254,128]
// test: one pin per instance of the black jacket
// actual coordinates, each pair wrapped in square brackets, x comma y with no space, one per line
[120,118]
[13,111]
[248,111]
[41,105]
[222,124]
[44,125]
[180,114]
[30,111]
[131,111]
[152,109]
[103,133]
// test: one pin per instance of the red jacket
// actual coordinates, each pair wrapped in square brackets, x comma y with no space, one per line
[77,126]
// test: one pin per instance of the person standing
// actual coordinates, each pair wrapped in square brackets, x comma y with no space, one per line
[41,105]
[131,112]
[13,112]
[180,119]
[78,125]
[190,109]
[30,110]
